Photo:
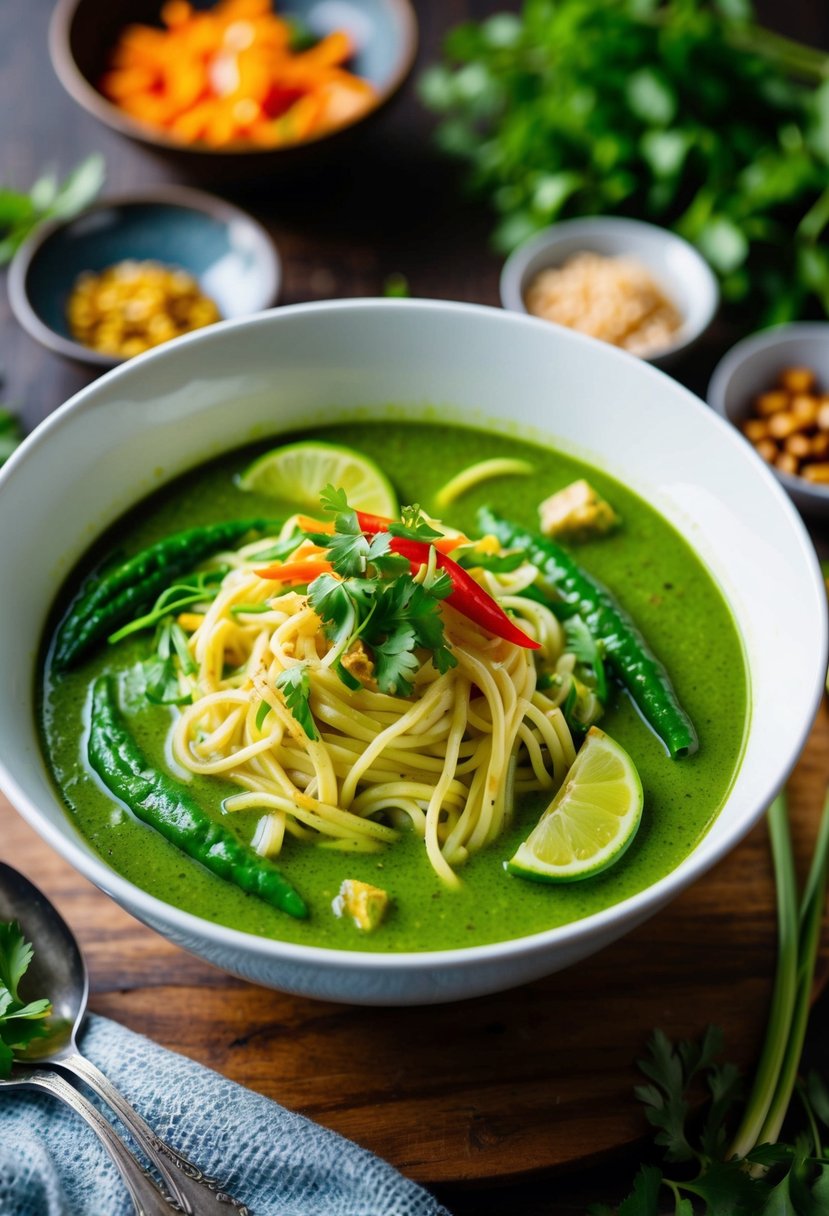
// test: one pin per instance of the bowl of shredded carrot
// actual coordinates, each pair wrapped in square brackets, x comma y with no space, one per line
[235,80]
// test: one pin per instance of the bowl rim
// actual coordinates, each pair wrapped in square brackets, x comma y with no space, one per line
[95,103]
[511,281]
[186,198]
[741,352]
[187,925]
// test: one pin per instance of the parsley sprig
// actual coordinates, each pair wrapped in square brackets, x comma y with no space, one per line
[376,598]
[20,1021]
[750,1172]
[372,596]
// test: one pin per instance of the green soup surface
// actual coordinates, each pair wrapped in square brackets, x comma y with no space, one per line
[650,568]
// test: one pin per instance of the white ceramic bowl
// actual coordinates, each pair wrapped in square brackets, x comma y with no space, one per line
[682,272]
[172,408]
[752,366]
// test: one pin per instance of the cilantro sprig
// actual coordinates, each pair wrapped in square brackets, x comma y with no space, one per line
[713,1169]
[20,1021]
[22,211]
[376,598]
[372,596]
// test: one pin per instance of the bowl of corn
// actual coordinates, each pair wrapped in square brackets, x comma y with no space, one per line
[774,388]
[131,273]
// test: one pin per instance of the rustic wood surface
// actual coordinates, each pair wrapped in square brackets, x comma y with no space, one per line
[532,1080]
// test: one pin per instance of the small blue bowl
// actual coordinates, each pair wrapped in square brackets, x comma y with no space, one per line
[228,252]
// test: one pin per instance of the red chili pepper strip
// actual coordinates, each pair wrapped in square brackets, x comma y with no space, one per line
[379,523]
[467,596]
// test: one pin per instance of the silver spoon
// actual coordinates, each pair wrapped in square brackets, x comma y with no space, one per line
[147,1197]
[58,971]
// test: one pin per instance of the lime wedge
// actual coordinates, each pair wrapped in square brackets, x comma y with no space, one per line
[590,822]
[299,471]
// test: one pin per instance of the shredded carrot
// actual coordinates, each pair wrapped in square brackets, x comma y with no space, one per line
[230,76]
[297,572]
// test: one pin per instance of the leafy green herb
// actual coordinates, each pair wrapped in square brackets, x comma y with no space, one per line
[198,589]
[414,525]
[161,672]
[580,642]
[396,287]
[20,1021]
[11,436]
[683,112]
[375,598]
[748,1173]
[295,685]
[20,213]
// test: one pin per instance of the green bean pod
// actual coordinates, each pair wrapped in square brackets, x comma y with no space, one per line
[115,597]
[169,807]
[626,652]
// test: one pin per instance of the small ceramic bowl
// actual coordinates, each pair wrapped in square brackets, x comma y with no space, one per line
[684,275]
[228,252]
[752,367]
[83,32]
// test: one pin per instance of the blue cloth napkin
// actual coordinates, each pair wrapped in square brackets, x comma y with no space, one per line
[277,1162]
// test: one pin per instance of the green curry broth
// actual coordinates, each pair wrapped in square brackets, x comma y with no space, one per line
[650,568]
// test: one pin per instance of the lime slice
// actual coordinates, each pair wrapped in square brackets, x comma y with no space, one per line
[299,471]
[590,822]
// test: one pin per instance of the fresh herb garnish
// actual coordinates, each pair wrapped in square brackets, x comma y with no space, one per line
[21,212]
[199,588]
[11,435]
[580,642]
[162,685]
[375,597]
[20,1021]
[683,112]
[295,685]
[748,1173]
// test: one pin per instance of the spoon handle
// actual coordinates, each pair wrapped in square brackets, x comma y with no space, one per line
[195,1192]
[148,1198]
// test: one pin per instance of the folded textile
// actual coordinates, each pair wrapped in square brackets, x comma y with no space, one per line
[51,1164]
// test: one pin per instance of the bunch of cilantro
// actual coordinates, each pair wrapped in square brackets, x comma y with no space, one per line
[372,597]
[730,1158]
[683,112]
[20,1021]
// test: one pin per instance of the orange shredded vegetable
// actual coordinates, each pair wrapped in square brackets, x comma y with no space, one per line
[297,572]
[230,75]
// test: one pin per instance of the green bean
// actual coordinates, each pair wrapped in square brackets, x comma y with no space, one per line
[115,597]
[625,650]
[169,807]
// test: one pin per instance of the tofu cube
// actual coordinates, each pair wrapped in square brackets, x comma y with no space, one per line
[365,904]
[577,512]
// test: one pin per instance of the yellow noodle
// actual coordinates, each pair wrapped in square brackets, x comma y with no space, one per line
[434,762]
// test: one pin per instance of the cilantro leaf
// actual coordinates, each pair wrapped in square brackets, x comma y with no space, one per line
[395,661]
[334,602]
[15,955]
[10,434]
[295,685]
[644,1198]
[414,525]
[20,1022]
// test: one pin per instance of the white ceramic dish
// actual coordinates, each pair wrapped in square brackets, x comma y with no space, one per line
[752,366]
[166,411]
[683,274]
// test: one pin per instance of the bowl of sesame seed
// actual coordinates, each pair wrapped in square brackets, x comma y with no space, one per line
[632,284]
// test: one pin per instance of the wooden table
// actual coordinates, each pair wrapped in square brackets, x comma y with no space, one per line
[553,1060]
